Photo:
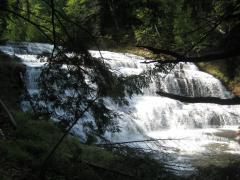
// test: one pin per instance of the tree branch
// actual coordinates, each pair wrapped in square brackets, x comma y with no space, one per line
[212,100]
[11,118]
[138,141]
[76,119]
[177,57]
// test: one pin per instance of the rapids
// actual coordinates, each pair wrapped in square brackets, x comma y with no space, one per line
[186,130]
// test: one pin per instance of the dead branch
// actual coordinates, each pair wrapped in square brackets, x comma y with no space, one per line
[212,100]
[178,57]
[138,141]
[11,118]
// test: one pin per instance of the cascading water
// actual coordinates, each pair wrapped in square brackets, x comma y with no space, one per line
[188,129]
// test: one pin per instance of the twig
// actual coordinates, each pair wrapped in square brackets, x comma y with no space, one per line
[11,118]
[139,141]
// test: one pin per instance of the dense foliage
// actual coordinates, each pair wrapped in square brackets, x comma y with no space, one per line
[165,23]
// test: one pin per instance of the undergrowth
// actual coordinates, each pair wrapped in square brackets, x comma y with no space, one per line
[22,155]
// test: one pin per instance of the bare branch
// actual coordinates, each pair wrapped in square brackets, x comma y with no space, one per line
[212,100]
[137,141]
[177,57]
[11,118]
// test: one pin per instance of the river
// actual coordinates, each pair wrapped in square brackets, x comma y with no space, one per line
[191,133]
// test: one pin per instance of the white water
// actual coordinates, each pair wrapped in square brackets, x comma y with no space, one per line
[152,116]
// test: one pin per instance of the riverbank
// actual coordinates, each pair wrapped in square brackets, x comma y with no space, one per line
[219,69]
[22,156]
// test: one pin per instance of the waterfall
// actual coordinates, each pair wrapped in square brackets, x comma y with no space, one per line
[150,115]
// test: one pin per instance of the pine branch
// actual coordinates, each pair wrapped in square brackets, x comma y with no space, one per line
[77,118]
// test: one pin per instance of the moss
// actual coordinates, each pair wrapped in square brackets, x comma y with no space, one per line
[220,71]
[134,50]
[217,69]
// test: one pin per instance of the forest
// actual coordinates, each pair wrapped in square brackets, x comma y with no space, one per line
[118,89]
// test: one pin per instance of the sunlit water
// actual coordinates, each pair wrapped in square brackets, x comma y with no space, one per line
[185,131]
